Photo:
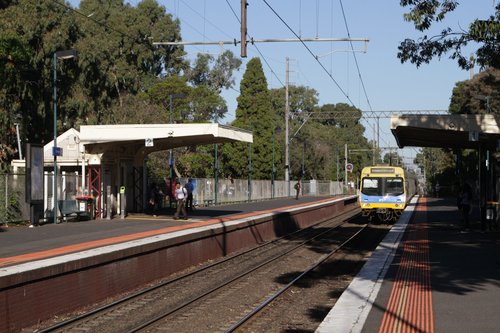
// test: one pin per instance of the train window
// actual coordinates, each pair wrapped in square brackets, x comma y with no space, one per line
[370,186]
[382,186]
[394,186]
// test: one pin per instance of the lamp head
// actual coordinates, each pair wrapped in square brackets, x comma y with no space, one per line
[66,54]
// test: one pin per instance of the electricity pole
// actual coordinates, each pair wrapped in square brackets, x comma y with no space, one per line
[287,138]
[244,28]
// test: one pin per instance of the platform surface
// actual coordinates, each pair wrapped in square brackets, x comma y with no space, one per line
[66,237]
[438,278]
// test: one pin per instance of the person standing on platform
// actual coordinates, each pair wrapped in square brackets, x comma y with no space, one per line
[437,187]
[297,189]
[155,198]
[189,199]
[180,196]
[464,203]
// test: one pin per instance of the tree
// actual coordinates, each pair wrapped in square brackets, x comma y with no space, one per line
[439,167]
[116,61]
[30,33]
[340,115]
[14,59]
[392,158]
[116,54]
[214,73]
[254,112]
[477,96]
[424,13]
[301,101]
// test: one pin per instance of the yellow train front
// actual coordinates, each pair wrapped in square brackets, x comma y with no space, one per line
[385,192]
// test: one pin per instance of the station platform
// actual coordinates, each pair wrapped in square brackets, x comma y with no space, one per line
[51,270]
[428,275]
[23,244]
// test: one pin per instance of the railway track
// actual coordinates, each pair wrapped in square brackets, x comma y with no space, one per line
[215,296]
[302,303]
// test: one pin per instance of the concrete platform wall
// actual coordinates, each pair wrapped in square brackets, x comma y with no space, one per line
[40,290]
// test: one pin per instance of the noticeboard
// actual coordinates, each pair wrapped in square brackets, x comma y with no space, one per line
[34,173]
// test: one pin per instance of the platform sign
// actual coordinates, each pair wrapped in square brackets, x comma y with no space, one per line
[149,142]
[34,173]
[474,136]
[57,151]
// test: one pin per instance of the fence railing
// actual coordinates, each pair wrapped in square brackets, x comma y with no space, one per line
[206,192]
[14,209]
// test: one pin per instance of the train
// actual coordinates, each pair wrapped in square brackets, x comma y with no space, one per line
[385,191]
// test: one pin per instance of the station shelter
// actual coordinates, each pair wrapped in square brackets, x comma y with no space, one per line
[480,132]
[122,150]
[110,159]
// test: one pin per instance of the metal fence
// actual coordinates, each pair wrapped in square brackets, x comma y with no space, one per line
[239,190]
[12,193]
[14,209]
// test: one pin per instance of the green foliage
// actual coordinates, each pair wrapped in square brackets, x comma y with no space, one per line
[120,77]
[219,76]
[30,32]
[116,61]
[423,13]
[116,54]
[477,96]
[10,208]
[254,112]
[198,162]
[439,167]
[392,158]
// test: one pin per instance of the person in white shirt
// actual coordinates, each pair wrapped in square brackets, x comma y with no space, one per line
[180,196]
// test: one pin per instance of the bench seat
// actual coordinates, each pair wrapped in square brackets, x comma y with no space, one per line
[70,208]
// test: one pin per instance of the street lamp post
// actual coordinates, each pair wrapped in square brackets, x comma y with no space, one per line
[66,54]
[171,157]
[303,157]
[486,99]
[250,170]
[273,170]
[216,167]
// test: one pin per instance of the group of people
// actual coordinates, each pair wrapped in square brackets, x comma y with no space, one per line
[183,196]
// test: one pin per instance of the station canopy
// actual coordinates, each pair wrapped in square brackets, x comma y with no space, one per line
[143,139]
[447,131]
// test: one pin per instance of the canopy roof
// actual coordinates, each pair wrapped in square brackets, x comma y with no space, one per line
[446,131]
[139,140]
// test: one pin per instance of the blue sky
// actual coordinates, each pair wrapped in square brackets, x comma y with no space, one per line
[389,85]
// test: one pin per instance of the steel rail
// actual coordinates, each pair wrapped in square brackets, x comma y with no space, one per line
[228,282]
[145,291]
[268,301]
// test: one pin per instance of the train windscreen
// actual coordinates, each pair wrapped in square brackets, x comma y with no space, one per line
[378,186]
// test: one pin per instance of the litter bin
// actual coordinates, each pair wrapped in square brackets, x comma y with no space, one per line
[87,203]
[491,214]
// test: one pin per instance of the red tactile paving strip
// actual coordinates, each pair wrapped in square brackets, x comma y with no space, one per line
[410,303]
[120,239]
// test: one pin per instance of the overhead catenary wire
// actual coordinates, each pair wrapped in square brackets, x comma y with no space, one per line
[309,50]
[356,62]
[206,20]
[258,50]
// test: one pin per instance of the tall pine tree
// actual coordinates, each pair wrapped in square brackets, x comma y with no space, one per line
[254,113]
